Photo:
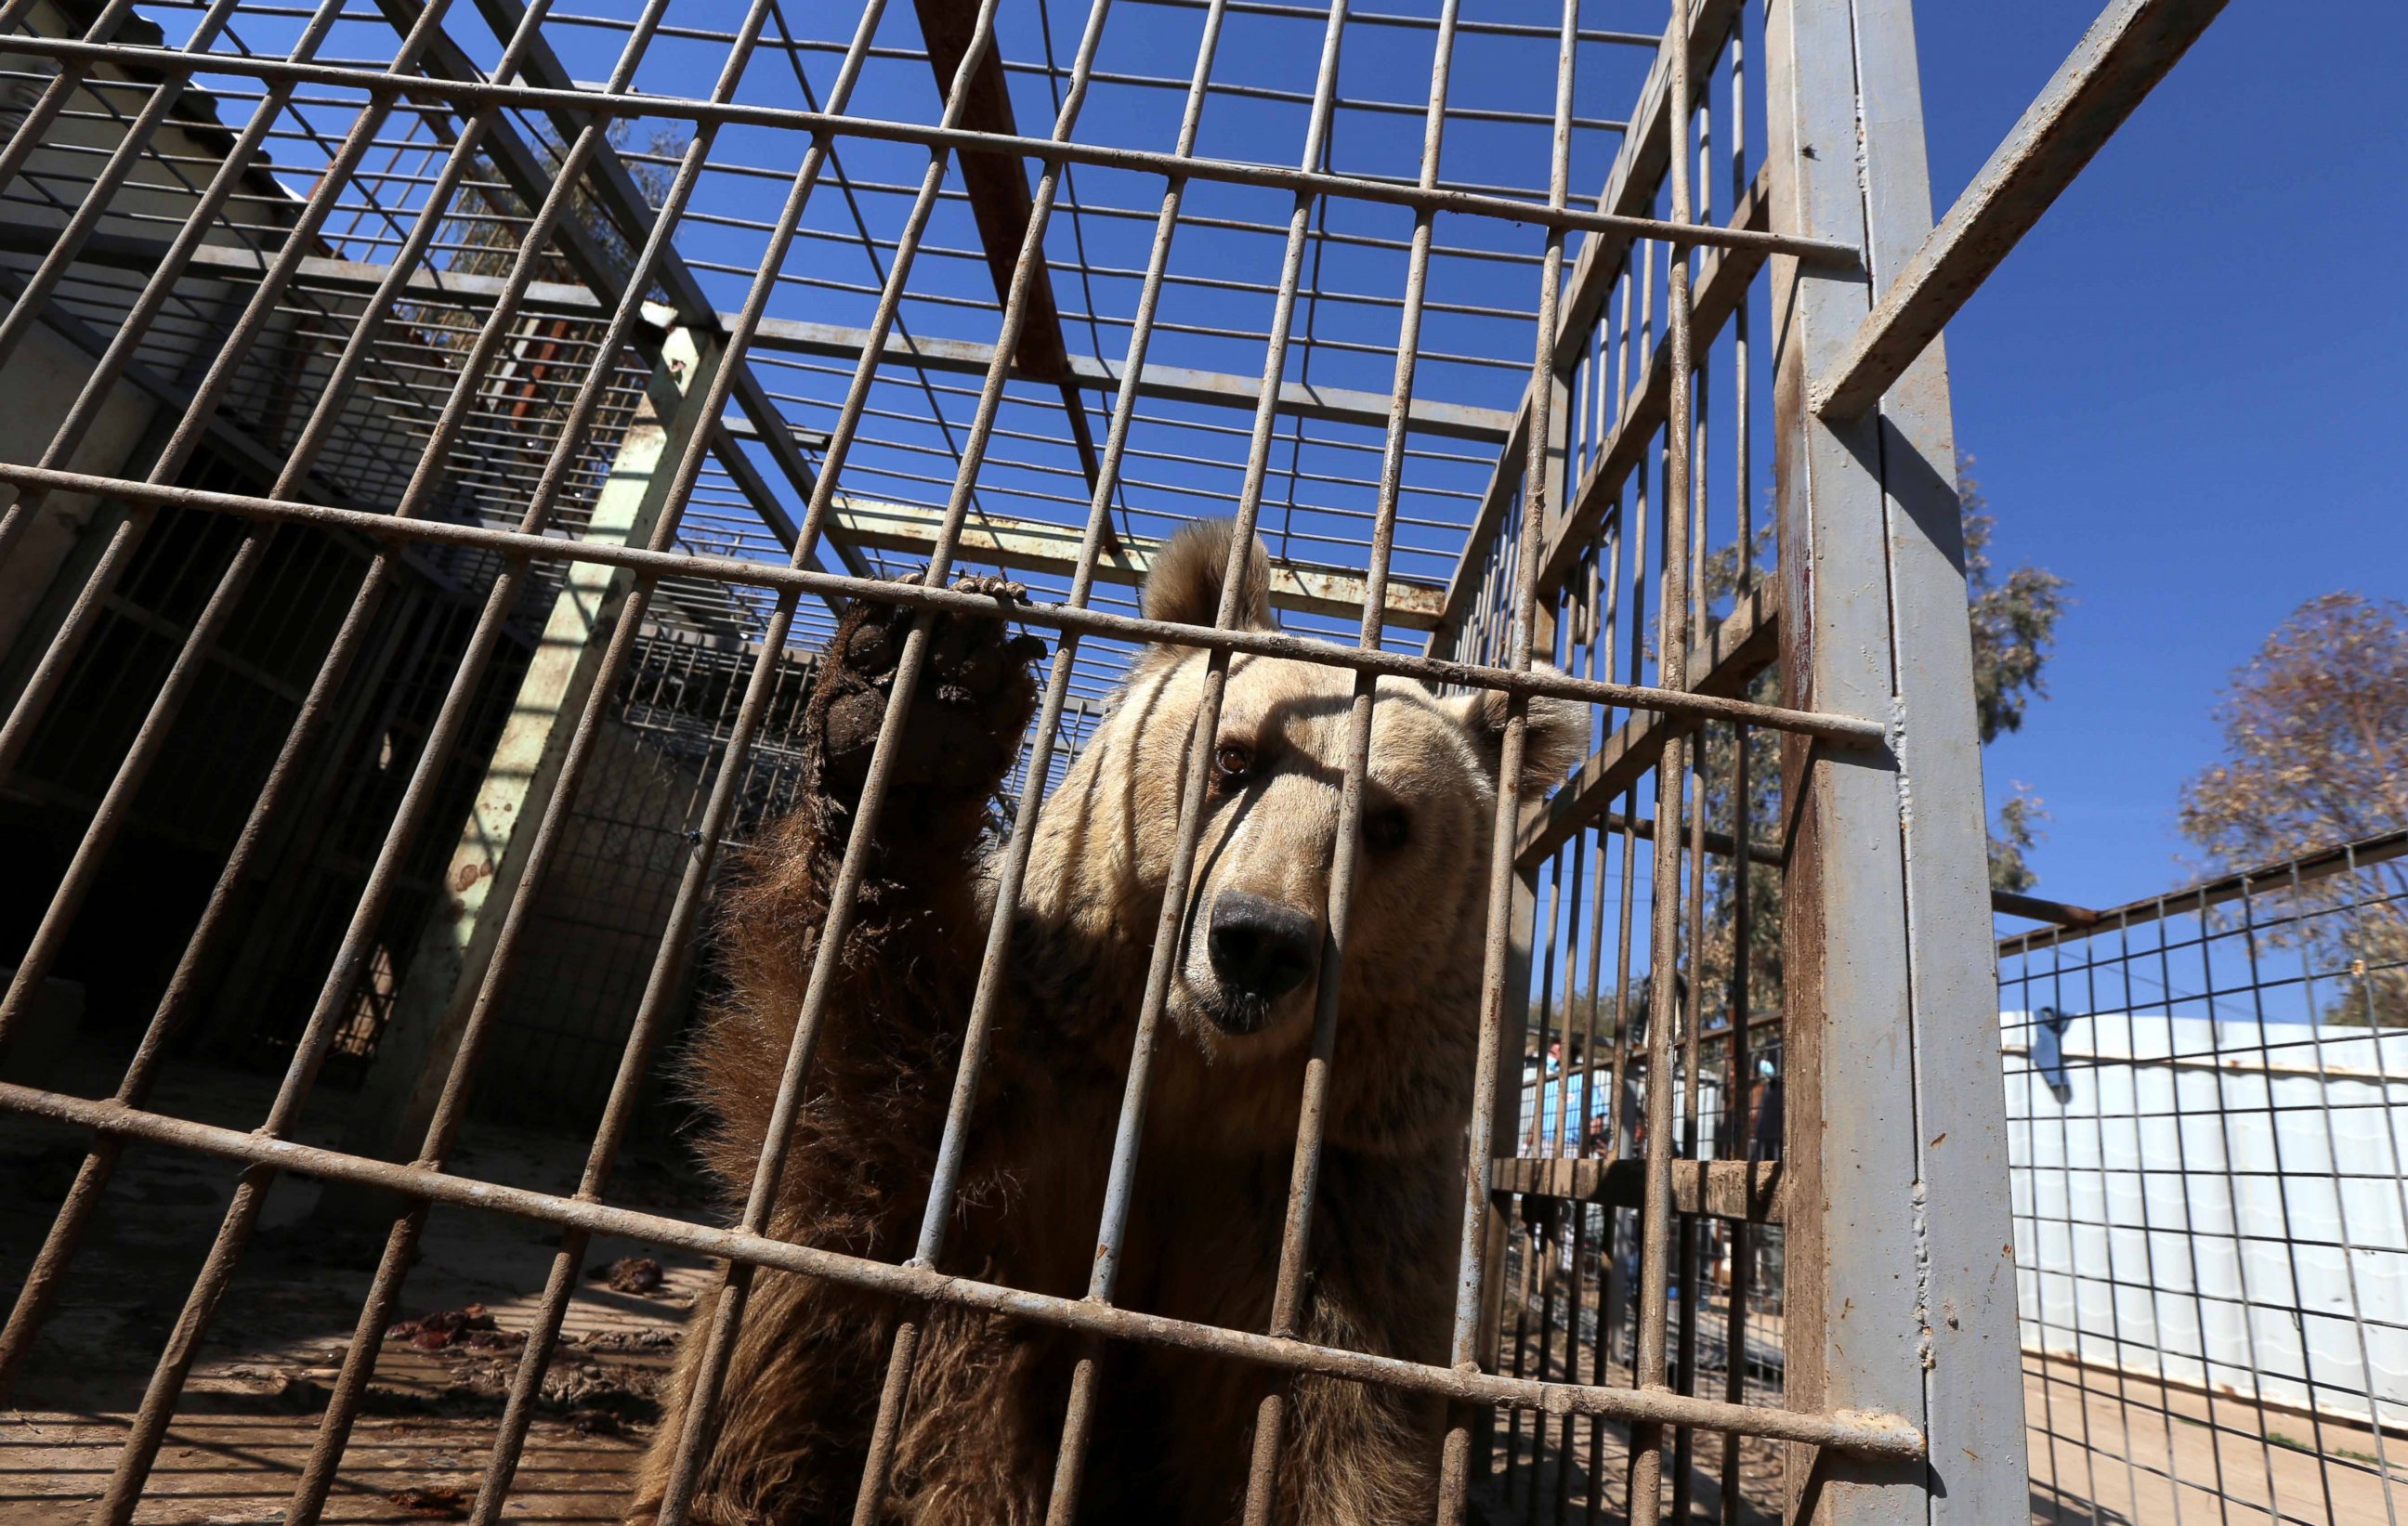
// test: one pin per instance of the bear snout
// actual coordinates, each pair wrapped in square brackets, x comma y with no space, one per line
[1261,950]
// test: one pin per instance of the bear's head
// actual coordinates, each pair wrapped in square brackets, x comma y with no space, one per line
[1247,965]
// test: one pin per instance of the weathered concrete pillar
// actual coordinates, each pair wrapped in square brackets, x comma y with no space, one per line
[439,986]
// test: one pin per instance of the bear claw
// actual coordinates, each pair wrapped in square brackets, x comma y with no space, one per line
[972,703]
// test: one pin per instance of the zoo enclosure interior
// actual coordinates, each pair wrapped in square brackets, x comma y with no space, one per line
[452,461]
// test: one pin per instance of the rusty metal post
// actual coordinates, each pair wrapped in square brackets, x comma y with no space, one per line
[445,972]
[1522,938]
[1900,1291]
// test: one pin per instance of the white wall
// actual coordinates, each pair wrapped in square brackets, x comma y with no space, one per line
[2229,1211]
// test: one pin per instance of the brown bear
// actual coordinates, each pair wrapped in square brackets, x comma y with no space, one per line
[984,1409]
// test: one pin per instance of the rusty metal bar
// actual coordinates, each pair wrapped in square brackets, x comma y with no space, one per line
[1456,1461]
[2378,849]
[1266,177]
[1580,1143]
[1692,1228]
[1868,1434]
[1602,600]
[1648,1443]
[1553,1233]
[1742,1190]
[2109,74]
[1839,729]
[1738,1112]
[1304,1179]
[696,1432]
[1616,1293]
[2033,907]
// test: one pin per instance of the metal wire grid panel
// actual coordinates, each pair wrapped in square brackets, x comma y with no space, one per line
[439,291]
[2206,1136]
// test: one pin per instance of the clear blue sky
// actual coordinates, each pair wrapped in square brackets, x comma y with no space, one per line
[2187,388]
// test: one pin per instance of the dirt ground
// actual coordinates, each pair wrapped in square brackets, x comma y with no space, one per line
[249,1412]
[2107,1449]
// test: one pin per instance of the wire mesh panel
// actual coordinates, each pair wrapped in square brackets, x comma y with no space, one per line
[667,346]
[2206,1136]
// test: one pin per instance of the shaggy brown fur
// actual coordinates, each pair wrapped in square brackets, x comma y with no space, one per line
[984,1408]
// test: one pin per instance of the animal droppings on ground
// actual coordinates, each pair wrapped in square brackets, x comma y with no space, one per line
[438,1503]
[632,1275]
[471,1326]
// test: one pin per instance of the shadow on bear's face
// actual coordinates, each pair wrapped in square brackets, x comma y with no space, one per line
[1255,937]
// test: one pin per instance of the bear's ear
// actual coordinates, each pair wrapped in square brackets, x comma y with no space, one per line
[1183,586]
[1554,735]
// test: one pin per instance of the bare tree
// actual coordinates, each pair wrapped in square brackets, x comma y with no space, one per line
[2316,739]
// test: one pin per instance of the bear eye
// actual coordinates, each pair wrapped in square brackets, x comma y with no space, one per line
[1388,829]
[1231,761]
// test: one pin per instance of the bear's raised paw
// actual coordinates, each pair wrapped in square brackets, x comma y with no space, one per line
[970,705]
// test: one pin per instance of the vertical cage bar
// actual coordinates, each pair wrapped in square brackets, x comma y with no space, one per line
[951,1149]
[1069,1465]
[1650,1445]
[1547,433]
[1295,1237]
[697,1421]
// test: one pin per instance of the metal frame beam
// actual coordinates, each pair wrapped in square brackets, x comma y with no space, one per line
[1000,204]
[2344,859]
[2119,61]
[960,357]
[1748,1190]
[608,180]
[1012,542]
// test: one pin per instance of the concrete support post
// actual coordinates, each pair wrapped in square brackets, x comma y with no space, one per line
[439,986]
[1900,1289]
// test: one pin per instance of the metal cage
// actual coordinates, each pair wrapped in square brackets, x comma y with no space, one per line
[442,435]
